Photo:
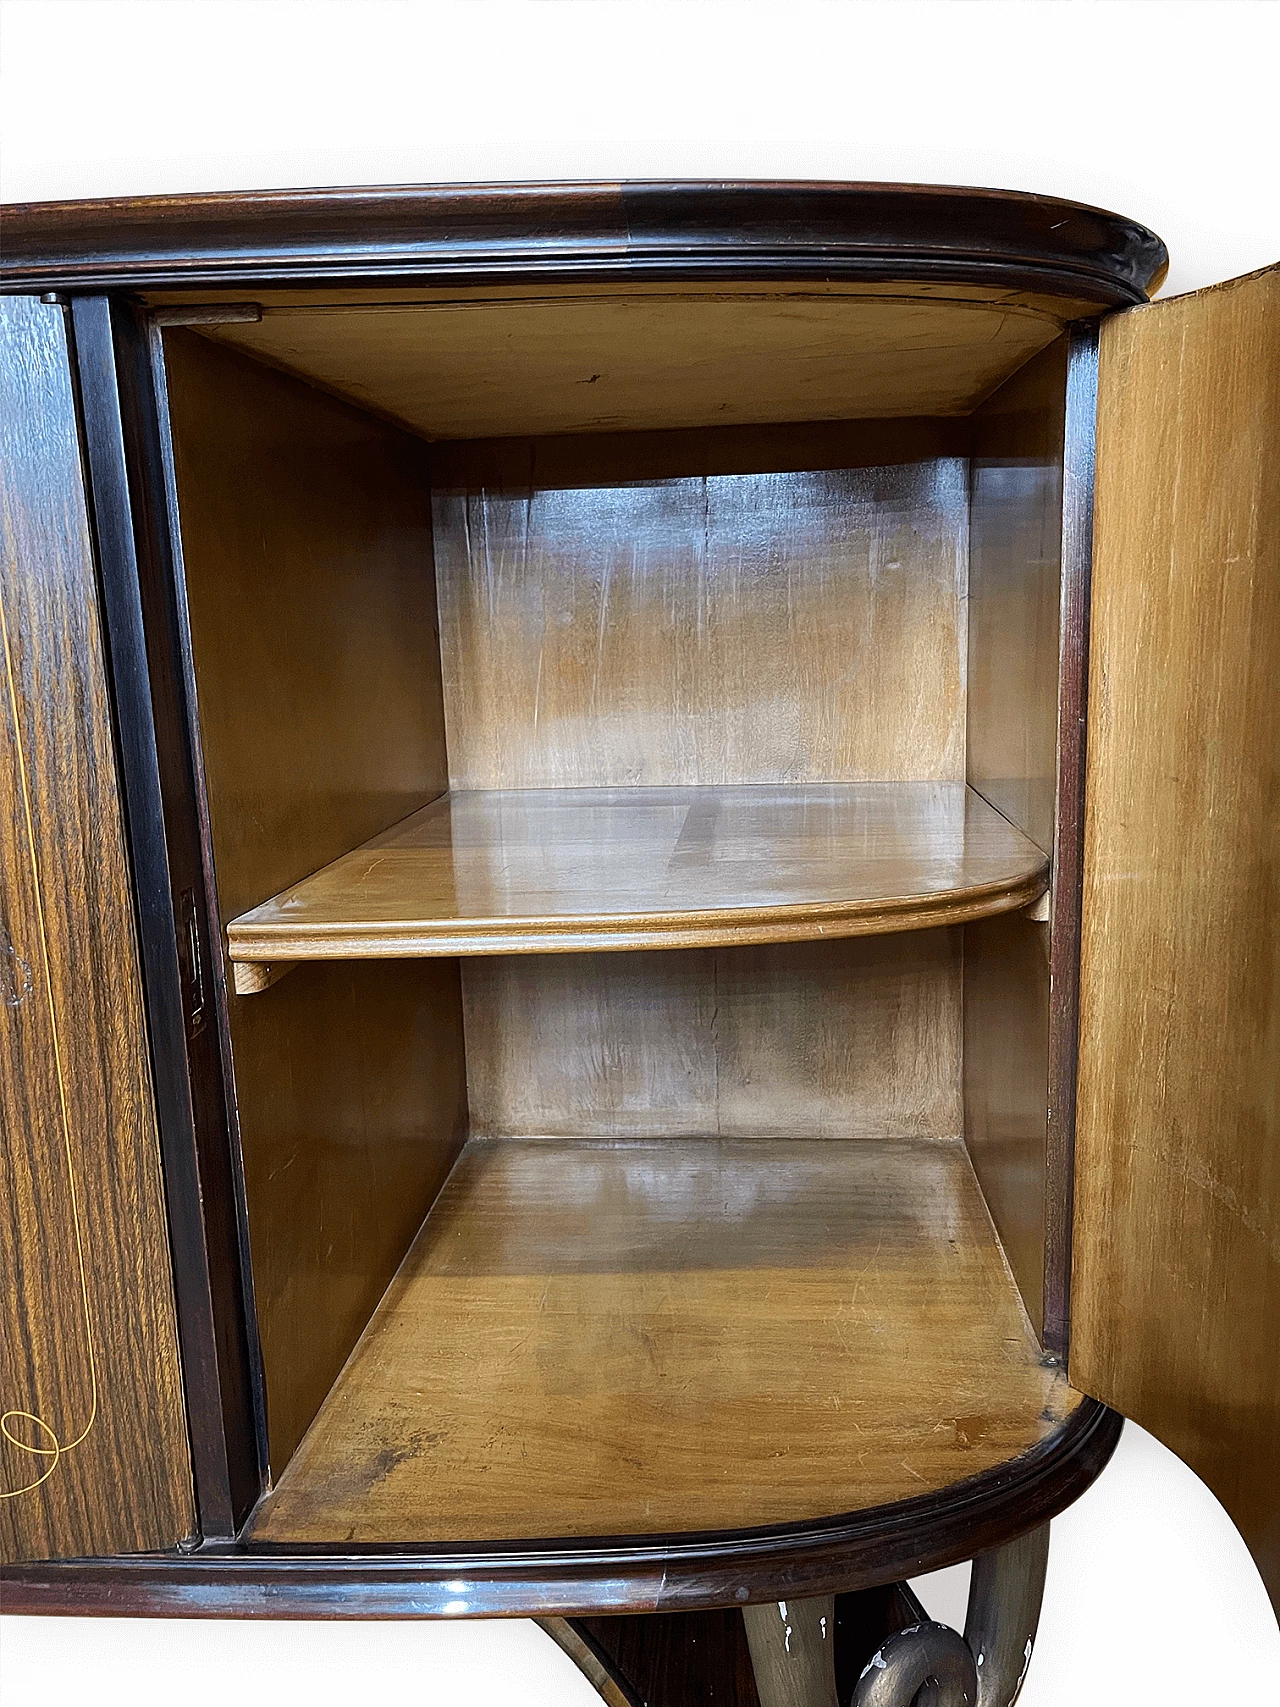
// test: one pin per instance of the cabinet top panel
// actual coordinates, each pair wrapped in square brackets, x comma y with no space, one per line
[458,234]
[545,870]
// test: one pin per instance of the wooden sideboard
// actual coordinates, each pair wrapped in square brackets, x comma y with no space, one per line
[640,863]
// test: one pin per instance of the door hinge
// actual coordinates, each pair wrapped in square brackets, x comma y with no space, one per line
[191,962]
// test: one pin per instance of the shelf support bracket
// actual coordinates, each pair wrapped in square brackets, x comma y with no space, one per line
[207,314]
[1039,911]
[251,977]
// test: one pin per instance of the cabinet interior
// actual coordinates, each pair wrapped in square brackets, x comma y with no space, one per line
[630,719]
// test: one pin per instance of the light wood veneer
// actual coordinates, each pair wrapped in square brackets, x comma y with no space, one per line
[304,528]
[1176,1289]
[552,870]
[603,628]
[639,1338]
[858,1039]
[457,365]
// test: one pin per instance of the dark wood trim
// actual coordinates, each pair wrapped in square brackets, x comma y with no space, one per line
[1068,853]
[577,1579]
[126,484]
[493,234]
[219,1114]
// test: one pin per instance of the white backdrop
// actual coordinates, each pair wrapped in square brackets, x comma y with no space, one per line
[1160,109]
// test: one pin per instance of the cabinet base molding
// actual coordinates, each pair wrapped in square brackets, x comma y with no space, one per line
[665,1574]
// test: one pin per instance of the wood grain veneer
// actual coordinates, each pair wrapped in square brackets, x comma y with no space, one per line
[1176,1296]
[859,1039]
[1014,586]
[806,626]
[305,532]
[605,361]
[1064,900]
[1014,663]
[554,870]
[119,381]
[591,1338]
[90,1380]
[1006,1087]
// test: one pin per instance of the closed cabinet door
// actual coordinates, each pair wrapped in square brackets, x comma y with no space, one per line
[1176,1277]
[93,1440]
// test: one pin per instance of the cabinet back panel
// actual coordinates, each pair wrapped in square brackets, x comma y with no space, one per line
[851,1039]
[577,460]
[805,626]
[307,547]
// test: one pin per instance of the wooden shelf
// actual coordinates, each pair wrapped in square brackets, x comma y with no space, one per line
[545,870]
[640,1337]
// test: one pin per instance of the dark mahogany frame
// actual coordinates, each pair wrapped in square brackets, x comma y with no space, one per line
[93,256]
[481,234]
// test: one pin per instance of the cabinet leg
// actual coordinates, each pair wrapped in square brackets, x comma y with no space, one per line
[925,1665]
[930,1665]
[793,1652]
[1004,1612]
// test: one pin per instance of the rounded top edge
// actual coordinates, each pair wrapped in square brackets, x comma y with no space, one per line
[677,228]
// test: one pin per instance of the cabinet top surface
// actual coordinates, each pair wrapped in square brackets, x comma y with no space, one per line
[459,233]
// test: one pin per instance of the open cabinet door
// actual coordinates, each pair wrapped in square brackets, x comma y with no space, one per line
[1176,1286]
[93,1441]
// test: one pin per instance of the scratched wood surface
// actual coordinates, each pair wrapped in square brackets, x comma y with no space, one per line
[552,870]
[606,1338]
[857,1039]
[457,364]
[805,626]
[90,1382]
[1176,1296]
[306,540]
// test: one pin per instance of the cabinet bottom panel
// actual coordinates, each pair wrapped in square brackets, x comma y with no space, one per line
[593,1338]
